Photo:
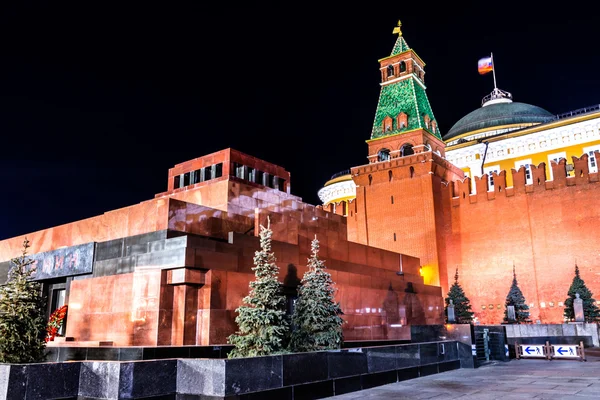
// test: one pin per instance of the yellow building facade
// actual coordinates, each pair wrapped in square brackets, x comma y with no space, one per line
[505,135]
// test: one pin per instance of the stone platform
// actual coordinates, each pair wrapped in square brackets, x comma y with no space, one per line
[290,376]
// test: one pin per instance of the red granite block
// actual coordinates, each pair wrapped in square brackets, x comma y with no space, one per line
[223,261]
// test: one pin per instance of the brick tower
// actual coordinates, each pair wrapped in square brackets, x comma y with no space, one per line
[398,203]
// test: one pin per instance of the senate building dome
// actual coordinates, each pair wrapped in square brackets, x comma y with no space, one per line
[498,114]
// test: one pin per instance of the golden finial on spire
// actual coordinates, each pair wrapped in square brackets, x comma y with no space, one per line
[397,29]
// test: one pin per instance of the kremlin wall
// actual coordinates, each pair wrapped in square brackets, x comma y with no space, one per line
[173,269]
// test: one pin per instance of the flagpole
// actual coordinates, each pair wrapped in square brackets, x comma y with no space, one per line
[493,70]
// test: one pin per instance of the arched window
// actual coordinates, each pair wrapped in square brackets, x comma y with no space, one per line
[402,66]
[390,70]
[383,155]
[407,150]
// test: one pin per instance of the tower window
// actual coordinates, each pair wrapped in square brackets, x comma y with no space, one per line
[390,71]
[402,66]
[407,150]
[383,155]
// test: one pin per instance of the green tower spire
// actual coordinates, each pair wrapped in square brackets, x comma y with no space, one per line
[403,91]
[401,45]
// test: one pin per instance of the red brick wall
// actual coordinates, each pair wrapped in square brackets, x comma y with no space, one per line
[544,229]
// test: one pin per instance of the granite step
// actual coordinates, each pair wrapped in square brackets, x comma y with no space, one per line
[80,343]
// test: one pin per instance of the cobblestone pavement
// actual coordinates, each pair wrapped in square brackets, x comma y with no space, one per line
[515,379]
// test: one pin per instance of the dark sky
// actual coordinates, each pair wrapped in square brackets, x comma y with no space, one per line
[99,99]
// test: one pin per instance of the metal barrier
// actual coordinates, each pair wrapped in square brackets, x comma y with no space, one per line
[550,351]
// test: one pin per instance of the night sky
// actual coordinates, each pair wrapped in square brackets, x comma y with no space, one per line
[98,101]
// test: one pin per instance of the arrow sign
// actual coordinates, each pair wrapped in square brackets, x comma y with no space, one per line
[565,350]
[533,350]
[561,351]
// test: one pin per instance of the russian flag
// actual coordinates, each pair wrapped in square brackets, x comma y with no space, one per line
[484,65]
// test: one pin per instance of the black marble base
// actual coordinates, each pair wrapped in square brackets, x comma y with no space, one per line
[65,353]
[290,376]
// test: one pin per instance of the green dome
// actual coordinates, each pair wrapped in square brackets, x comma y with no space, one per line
[498,114]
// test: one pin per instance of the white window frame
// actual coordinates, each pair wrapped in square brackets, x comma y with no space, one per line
[555,157]
[592,162]
[527,164]
[488,170]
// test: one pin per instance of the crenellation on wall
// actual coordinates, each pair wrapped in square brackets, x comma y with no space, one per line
[461,192]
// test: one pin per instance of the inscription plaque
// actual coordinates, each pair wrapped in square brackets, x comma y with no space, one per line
[68,261]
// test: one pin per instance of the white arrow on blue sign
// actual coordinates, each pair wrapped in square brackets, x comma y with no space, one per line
[567,351]
[533,350]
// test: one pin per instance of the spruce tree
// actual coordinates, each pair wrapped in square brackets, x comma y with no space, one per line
[591,313]
[316,319]
[262,322]
[462,305]
[22,314]
[515,298]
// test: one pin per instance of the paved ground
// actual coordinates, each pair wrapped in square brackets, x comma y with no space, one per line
[515,379]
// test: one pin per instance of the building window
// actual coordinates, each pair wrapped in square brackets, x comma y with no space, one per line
[239,171]
[402,66]
[592,162]
[383,155]
[186,178]
[554,158]
[259,177]
[407,150]
[206,174]
[390,71]
[197,175]
[527,165]
[216,170]
[176,182]
[489,171]
[281,185]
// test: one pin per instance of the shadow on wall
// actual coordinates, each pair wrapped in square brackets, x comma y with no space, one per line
[290,287]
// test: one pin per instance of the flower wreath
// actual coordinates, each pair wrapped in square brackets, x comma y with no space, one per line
[55,322]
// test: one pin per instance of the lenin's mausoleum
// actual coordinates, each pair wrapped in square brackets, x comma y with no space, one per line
[509,185]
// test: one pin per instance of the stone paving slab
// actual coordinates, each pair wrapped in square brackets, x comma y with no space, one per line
[515,379]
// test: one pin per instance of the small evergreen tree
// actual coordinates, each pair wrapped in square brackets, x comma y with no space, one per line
[462,305]
[22,314]
[262,321]
[591,313]
[316,319]
[515,298]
